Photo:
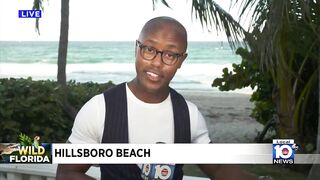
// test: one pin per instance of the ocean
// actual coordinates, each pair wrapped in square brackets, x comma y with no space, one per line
[104,61]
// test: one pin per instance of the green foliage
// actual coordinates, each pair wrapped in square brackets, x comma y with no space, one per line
[25,140]
[247,74]
[243,75]
[265,94]
[82,92]
[36,107]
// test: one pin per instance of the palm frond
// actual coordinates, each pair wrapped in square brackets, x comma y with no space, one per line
[37,5]
[25,140]
[211,14]
[162,1]
[273,19]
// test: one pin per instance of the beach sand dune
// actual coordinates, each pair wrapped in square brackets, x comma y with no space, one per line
[227,115]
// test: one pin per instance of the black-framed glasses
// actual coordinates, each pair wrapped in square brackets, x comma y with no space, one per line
[149,53]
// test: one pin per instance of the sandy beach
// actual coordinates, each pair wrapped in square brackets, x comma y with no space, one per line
[227,115]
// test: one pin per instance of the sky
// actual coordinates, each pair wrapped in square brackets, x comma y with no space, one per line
[98,20]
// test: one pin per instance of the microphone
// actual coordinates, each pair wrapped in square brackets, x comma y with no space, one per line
[157,171]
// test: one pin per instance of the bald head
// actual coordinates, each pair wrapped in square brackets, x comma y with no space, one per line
[168,26]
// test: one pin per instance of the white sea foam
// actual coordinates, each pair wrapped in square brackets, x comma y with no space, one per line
[189,76]
[104,61]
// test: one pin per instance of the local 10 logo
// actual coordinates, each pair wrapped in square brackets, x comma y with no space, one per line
[157,171]
[283,151]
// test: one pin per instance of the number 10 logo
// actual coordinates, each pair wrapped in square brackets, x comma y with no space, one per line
[283,152]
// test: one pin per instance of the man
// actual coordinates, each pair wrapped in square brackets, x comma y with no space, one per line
[151,112]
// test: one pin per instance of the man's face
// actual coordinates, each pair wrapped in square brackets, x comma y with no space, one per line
[154,75]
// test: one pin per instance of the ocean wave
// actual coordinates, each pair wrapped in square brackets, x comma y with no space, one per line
[189,76]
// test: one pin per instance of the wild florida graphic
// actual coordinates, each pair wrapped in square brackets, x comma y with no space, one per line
[28,150]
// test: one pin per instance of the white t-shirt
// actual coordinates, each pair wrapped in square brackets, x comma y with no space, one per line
[147,123]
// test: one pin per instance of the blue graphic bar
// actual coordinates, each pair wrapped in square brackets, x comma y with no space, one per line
[30,13]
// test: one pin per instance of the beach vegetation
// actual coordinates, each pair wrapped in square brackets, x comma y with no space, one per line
[248,74]
[36,107]
[62,53]
[283,40]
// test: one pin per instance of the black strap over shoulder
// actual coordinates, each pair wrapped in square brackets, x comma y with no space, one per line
[116,118]
[116,130]
[182,132]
